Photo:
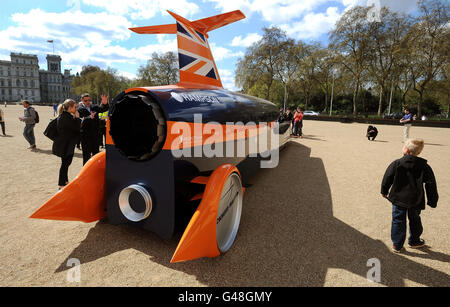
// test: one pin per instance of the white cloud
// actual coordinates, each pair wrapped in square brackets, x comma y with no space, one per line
[227,78]
[145,9]
[80,38]
[128,75]
[402,6]
[221,53]
[313,25]
[272,11]
[249,40]
[305,18]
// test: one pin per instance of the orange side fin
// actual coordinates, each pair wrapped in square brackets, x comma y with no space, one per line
[83,200]
[200,180]
[199,238]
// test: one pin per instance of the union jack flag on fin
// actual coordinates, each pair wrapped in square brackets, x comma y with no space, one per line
[194,53]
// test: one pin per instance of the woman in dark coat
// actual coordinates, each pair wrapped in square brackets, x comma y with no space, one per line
[69,125]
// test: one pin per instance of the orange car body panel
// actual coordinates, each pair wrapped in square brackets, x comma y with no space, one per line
[83,199]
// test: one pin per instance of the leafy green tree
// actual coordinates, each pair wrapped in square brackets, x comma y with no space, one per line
[260,61]
[96,82]
[161,69]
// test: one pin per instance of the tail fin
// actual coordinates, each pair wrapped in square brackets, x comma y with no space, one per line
[194,53]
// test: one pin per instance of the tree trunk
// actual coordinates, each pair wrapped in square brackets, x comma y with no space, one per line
[419,105]
[268,90]
[355,97]
[390,99]
[380,103]
[404,99]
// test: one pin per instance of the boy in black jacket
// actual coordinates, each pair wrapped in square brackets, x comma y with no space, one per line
[405,178]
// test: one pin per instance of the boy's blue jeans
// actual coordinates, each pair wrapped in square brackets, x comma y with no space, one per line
[398,230]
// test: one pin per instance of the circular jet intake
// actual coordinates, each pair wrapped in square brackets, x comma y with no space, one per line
[135,203]
[138,127]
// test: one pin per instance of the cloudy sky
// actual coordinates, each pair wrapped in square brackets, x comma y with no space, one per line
[96,32]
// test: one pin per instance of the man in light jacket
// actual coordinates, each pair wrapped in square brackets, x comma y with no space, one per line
[29,118]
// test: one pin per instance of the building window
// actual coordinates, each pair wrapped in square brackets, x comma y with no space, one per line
[18,82]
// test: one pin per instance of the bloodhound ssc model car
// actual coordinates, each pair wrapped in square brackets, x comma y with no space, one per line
[158,172]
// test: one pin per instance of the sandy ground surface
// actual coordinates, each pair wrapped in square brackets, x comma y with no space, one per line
[316,220]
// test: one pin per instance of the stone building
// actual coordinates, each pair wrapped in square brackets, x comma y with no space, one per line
[67,85]
[51,81]
[19,78]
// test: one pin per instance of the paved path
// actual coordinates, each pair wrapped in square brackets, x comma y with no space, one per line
[316,220]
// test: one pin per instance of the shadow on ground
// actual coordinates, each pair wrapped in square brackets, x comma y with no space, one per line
[49,152]
[288,237]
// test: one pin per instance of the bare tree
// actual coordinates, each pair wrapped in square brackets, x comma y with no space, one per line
[385,43]
[349,41]
[428,45]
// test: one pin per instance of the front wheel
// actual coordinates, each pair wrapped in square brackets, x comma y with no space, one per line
[229,212]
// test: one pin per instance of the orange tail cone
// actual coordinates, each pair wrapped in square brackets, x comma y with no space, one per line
[199,238]
[83,199]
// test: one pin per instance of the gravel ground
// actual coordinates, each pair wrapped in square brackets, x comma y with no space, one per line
[316,220]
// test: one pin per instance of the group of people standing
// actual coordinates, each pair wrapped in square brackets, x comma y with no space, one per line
[77,123]
[296,118]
